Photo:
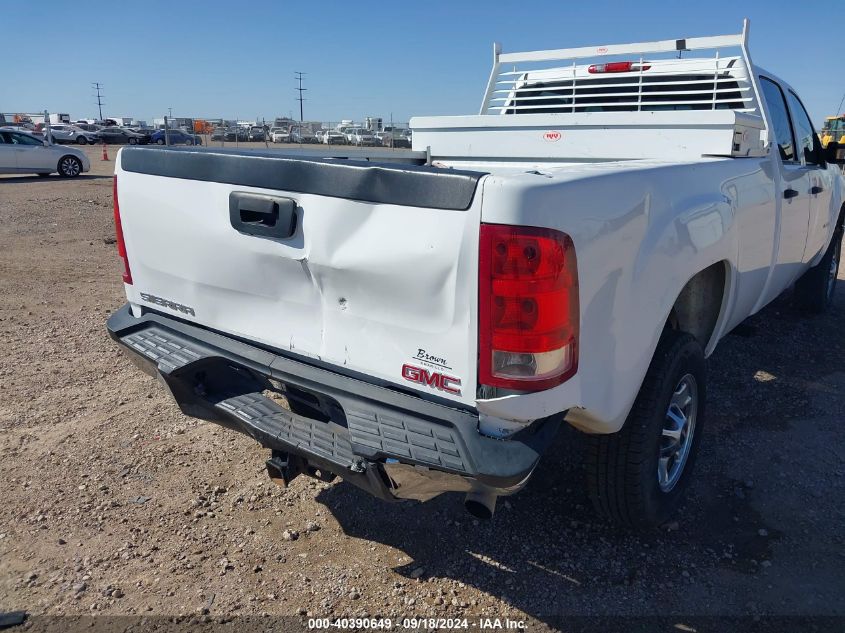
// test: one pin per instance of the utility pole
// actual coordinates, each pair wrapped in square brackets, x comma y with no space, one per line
[98,86]
[300,99]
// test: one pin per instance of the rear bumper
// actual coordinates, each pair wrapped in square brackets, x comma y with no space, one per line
[393,444]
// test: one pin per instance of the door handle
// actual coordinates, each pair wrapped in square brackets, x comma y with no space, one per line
[816,189]
[262,216]
[790,193]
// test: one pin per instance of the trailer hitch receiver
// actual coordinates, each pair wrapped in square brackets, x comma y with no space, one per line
[283,468]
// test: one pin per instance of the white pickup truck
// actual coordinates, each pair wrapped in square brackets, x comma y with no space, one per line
[421,322]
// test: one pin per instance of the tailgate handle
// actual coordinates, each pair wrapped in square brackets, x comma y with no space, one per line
[262,216]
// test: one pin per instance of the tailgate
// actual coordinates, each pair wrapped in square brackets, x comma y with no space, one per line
[376,273]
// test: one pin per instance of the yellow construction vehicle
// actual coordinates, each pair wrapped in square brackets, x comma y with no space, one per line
[833,130]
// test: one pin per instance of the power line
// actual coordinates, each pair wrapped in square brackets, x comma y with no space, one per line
[301,90]
[98,86]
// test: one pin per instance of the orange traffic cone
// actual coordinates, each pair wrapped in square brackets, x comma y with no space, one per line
[105,153]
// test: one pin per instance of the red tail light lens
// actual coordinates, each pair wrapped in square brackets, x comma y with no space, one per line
[528,307]
[617,67]
[121,245]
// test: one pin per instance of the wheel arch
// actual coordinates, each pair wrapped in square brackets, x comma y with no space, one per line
[701,307]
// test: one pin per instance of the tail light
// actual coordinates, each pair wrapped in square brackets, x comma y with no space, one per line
[528,307]
[121,244]
[617,67]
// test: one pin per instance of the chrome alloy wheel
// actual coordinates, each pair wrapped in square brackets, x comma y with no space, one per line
[678,430]
[70,166]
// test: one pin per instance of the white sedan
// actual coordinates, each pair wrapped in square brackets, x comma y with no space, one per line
[22,153]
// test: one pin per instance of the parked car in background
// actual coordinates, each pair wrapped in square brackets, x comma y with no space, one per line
[256,134]
[145,132]
[22,153]
[333,137]
[88,127]
[237,134]
[218,134]
[302,135]
[362,137]
[280,135]
[119,135]
[319,135]
[395,138]
[66,133]
[175,137]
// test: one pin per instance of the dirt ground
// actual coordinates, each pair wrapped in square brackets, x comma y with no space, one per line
[114,503]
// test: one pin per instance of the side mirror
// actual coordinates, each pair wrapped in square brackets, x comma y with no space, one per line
[834,153]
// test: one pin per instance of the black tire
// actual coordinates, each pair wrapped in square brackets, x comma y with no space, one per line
[188,141]
[622,468]
[815,289]
[81,140]
[160,141]
[133,141]
[69,167]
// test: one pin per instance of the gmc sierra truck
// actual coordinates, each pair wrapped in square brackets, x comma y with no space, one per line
[425,321]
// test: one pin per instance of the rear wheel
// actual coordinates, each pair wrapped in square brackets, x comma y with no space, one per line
[133,141]
[188,141]
[814,290]
[70,167]
[638,475]
[160,141]
[81,140]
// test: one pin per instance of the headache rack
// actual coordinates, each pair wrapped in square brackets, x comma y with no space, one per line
[604,103]
[523,83]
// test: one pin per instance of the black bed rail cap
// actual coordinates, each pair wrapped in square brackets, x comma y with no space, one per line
[363,180]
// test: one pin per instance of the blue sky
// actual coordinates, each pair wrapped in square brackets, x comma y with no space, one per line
[362,58]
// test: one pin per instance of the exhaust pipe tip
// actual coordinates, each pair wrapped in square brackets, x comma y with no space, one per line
[481,505]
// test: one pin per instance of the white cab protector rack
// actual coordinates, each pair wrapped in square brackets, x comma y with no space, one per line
[660,102]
